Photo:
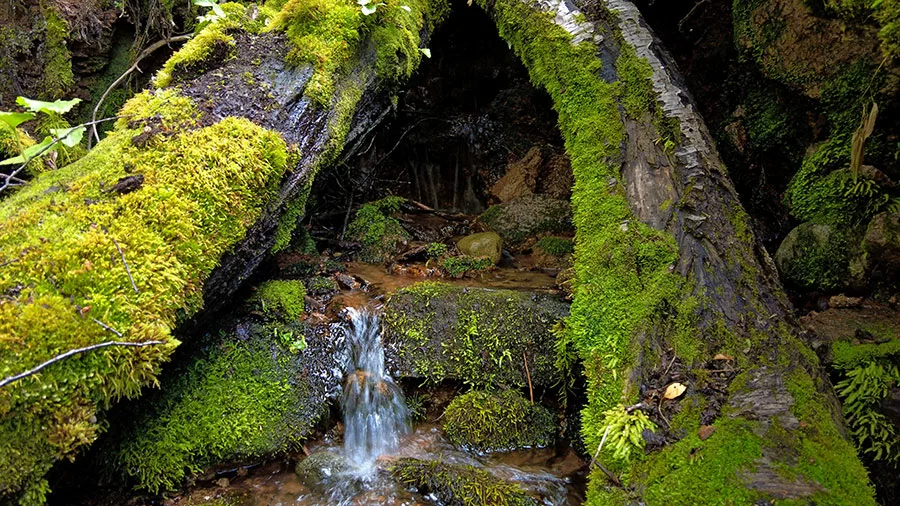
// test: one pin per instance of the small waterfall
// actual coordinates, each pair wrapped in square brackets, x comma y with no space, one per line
[375,412]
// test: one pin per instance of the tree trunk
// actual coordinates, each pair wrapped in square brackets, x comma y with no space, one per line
[672,286]
[226,159]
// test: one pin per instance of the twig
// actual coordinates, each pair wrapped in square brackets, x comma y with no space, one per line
[689,14]
[528,375]
[661,415]
[122,256]
[107,327]
[594,462]
[674,356]
[13,174]
[17,377]
[145,53]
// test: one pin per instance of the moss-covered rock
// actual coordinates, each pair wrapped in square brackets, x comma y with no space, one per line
[483,421]
[281,300]
[459,485]
[208,49]
[528,217]
[814,256]
[377,230]
[247,394]
[882,242]
[440,331]
[324,469]
[86,265]
[483,244]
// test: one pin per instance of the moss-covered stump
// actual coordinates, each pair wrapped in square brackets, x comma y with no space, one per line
[459,485]
[487,422]
[439,331]
[86,262]
[528,217]
[250,393]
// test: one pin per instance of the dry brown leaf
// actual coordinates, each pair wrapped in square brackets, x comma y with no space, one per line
[722,356]
[674,391]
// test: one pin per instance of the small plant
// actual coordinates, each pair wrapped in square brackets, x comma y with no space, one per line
[214,14]
[458,267]
[286,338]
[435,250]
[862,391]
[623,431]
[377,230]
[52,111]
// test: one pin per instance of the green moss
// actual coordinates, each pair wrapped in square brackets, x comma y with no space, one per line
[474,335]
[459,485]
[848,356]
[488,422]
[379,232]
[459,266]
[240,399]
[63,274]
[283,300]
[327,33]
[58,78]
[211,46]
[12,142]
[555,246]
[321,285]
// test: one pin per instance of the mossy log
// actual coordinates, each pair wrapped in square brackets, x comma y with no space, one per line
[671,283]
[224,156]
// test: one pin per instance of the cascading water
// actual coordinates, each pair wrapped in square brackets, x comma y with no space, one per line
[375,412]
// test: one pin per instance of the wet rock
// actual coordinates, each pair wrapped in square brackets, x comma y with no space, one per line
[321,470]
[458,484]
[488,422]
[440,331]
[525,218]
[520,178]
[882,242]
[484,244]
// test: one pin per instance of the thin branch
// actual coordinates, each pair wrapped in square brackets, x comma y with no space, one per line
[17,377]
[107,327]
[122,256]
[528,375]
[54,142]
[145,53]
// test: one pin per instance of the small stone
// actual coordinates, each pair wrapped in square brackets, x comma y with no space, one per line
[844,302]
[484,244]
[223,482]
[705,432]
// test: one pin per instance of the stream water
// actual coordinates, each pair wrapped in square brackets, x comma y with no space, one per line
[377,431]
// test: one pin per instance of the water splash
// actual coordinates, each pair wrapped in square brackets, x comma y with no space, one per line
[375,412]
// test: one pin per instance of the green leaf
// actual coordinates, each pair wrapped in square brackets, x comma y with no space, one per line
[369,9]
[29,152]
[70,137]
[14,119]
[59,106]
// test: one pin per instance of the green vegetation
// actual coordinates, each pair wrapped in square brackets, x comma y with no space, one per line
[377,230]
[555,246]
[211,46]
[436,249]
[623,431]
[488,422]
[327,33]
[66,283]
[459,266]
[459,485]
[281,300]
[474,335]
[57,75]
[240,399]
[322,285]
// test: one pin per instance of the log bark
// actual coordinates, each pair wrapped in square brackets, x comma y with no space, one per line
[771,425]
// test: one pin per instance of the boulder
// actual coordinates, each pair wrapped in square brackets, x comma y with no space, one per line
[483,244]
[322,470]
[520,178]
[816,256]
[438,331]
[882,242]
[527,217]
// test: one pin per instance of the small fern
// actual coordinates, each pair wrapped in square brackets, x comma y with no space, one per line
[862,390]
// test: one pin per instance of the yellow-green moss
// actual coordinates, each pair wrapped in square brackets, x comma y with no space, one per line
[211,45]
[282,300]
[488,422]
[460,485]
[62,274]
[238,399]
[58,77]
[555,246]
[12,142]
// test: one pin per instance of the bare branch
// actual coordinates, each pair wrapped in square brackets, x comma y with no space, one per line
[77,351]
[145,53]
[122,256]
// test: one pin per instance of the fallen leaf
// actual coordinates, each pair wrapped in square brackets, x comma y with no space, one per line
[705,431]
[722,356]
[674,391]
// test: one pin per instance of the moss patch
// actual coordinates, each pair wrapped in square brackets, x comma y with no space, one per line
[473,335]
[282,300]
[63,273]
[459,485]
[377,230]
[504,421]
[210,47]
